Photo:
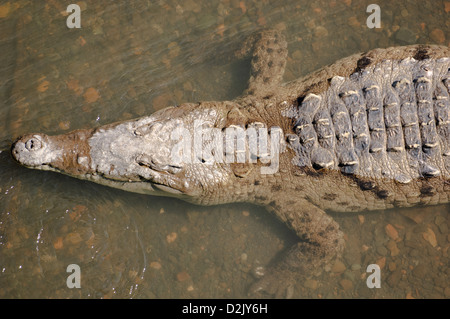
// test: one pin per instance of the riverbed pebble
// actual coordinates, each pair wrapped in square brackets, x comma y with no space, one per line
[438,36]
[391,231]
[381,262]
[320,32]
[392,246]
[356,267]
[155,265]
[338,267]
[361,219]
[171,237]
[91,95]
[430,237]
[346,284]
[311,284]
[183,276]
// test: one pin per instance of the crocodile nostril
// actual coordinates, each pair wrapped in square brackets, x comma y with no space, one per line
[33,144]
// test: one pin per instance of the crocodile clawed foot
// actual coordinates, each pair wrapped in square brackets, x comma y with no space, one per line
[322,241]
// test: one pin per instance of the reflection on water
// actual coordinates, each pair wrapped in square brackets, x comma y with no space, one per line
[132,58]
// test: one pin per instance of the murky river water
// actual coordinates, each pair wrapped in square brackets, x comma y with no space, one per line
[131,58]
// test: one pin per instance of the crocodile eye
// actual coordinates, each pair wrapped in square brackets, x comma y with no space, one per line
[33,144]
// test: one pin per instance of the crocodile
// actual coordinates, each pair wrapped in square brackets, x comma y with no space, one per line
[369,132]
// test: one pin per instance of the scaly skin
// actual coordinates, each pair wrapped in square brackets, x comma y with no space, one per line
[361,134]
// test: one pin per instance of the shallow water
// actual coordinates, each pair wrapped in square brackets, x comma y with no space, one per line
[132,58]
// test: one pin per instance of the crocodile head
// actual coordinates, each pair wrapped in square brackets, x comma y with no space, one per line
[157,155]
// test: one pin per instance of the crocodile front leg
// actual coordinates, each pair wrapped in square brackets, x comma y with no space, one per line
[321,241]
[268,49]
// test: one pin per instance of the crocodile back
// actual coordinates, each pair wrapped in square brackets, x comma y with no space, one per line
[389,119]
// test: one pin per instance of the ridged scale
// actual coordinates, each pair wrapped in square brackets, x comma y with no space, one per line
[389,120]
